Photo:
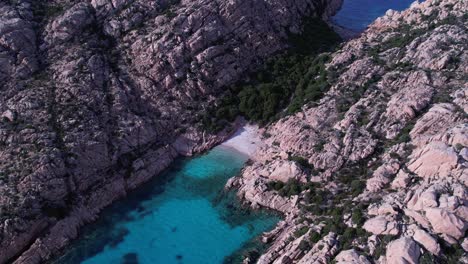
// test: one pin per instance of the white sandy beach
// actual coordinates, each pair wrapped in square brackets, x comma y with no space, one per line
[247,140]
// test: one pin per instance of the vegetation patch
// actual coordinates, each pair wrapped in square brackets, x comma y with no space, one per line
[285,83]
[301,161]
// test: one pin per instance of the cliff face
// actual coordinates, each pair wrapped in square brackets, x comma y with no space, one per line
[98,96]
[377,169]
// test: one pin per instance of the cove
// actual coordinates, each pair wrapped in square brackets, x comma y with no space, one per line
[356,15]
[182,216]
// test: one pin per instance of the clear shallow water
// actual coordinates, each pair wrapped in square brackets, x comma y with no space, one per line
[358,14]
[183,216]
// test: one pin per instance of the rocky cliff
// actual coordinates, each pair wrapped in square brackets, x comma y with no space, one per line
[98,96]
[376,171]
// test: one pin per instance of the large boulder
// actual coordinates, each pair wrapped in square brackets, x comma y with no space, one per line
[445,222]
[382,176]
[285,170]
[402,251]
[70,24]
[350,257]
[381,225]
[435,160]
[427,241]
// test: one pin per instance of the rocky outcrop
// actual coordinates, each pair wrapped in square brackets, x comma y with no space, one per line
[350,257]
[381,225]
[96,97]
[385,145]
[18,59]
[427,241]
[402,250]
[447,223]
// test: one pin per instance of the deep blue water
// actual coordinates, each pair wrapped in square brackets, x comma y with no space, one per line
[183,216]
[358,14]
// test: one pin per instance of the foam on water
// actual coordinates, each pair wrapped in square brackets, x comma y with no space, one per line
[182,216]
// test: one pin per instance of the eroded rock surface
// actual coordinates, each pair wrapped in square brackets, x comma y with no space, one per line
[386,146]
[97,97]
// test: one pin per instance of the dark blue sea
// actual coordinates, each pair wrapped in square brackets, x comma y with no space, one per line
[358,14]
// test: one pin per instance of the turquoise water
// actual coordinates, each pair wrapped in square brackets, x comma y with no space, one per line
[183,216]
[358,14]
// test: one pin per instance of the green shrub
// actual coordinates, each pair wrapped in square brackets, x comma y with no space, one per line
[427,258]
[301,161]
[314,237]
[349,234]
[452,253]
[357,187]
[357,217]
[334,227]
[319,146]
[304,245]
[287,81]
[301,231]
[266,135]
[275,185]
[404,135]
[291,187]
[394,155]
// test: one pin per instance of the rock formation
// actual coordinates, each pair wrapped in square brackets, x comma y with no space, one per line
[98,96]
[385,146]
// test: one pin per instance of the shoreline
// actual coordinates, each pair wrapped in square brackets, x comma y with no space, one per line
[246,140]
[345,33]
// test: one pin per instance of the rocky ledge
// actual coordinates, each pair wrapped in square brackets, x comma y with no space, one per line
[376,171]
[98,96]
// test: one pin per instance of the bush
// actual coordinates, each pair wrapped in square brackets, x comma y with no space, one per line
[288,81]
[319,146]
[301,231]
[314,237]
[357,187]
[357,217]
[394,155]
[426,258]
[453,253]
[336,228]
[291,187]
[349,234]
[315,209]
[304,245]
[301,161]
[266,135]
[275,185]
[404,134]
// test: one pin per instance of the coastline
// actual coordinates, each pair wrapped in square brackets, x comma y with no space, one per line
[345,33]
[246,140]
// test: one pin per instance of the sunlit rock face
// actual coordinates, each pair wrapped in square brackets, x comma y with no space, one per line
[94,93]
[382,152]
[97,97]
